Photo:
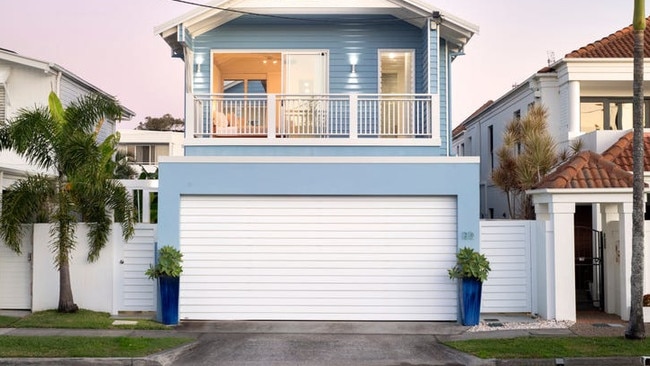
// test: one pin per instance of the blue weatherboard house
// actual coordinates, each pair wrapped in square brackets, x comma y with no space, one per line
[317,181]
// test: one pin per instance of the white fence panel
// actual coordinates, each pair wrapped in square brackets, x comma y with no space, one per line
[136,291]
[507,245]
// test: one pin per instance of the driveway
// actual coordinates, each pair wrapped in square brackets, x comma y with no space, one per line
[322,343]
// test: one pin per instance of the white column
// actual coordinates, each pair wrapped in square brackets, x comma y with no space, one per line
[190,112]
[562,261]
[625,248]
[611,260]
[574,109]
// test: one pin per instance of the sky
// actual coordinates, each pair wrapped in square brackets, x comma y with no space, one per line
[111,44]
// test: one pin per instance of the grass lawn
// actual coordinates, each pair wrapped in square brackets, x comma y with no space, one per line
[82,319]
[552,347]
[43,347]
[7,321]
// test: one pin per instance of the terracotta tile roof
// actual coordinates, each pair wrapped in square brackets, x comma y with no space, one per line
[621,152]
[587,169]
[619,44]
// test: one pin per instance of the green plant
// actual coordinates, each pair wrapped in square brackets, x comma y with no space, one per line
[169,263]
[470,264]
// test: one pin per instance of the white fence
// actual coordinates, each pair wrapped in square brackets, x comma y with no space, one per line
[114,283]
[507,244]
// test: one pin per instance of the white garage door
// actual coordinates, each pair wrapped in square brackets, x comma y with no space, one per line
[318,258]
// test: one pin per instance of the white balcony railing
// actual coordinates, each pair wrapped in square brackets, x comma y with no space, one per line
[317,116]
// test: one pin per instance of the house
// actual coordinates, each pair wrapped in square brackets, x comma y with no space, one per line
[582,256]
[27,280]
[26,82]
[590,89]
[146,147]
[318,181]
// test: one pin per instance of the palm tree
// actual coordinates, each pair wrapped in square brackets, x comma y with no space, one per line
[76,186]
[636,328]
[526,156]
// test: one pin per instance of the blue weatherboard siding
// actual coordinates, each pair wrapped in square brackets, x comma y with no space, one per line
[325,179]
[340,36]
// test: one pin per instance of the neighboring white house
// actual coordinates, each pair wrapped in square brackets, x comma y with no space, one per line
[590,89]
[583,252]
[26,82]
[146,147]
[26,280]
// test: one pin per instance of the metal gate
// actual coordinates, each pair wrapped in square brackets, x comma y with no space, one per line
[589,268]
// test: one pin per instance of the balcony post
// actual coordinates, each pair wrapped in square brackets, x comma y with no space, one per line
[271,113]
[354,122]
[191,106]
[435,118]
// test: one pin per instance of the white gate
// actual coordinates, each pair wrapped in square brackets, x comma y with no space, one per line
[507,245]
[137,292]
[16,275]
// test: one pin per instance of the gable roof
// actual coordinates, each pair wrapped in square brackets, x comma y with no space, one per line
[461,127]
[49,67]
[621,153]
[218,12]
[619,44]
[587,169]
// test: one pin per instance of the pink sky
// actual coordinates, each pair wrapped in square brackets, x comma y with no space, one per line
[111,44]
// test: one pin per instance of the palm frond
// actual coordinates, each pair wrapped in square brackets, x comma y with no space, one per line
[25,202]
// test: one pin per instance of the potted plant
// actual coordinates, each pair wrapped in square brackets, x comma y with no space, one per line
[472,269]
[167,271]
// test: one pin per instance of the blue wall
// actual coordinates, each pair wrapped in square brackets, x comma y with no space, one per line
[341,36]
[306,150]
[304,178]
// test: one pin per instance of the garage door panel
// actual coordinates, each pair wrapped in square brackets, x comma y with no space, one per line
[207,244]
[248,249]
[244,234]
[244,285]
[281,258]
[327,258]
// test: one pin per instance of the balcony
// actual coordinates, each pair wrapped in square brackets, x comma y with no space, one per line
[330,117]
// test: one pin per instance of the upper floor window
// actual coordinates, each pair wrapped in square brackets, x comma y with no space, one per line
[609,114]
[491,145]
[517,115]
[3,108]
[146,153]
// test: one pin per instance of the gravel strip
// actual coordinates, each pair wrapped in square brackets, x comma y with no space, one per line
[535,324]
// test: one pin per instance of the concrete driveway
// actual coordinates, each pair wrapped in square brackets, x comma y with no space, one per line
[322,343]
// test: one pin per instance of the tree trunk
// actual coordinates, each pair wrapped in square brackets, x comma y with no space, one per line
[66,302]
[636,328]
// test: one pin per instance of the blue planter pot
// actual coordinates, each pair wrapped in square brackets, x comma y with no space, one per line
[470,301]
[169,287]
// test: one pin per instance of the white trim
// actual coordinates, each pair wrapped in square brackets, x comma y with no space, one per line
[313,142]
[323,159]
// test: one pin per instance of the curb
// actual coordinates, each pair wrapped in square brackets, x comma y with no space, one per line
[577,361]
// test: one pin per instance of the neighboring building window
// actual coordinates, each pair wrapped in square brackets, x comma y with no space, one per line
[531,105]
[461,150]
[491,213]
[491,145]
[469,146]
[517,115]
[609,114]
[146,153]
[3,113]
